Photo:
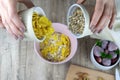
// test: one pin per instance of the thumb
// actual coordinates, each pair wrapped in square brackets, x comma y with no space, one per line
[80,1]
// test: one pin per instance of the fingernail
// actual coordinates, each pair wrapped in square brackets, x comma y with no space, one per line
[20,37]
[91,27]
[111,26]
[99,31]
[22,30]
[3,27]
[16,37]
[93,30]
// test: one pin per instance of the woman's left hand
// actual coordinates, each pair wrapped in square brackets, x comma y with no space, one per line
[104,14]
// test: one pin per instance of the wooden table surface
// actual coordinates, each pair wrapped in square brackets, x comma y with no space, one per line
[18,61]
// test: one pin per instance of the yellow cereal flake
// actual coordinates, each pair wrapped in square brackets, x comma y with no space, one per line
[42,26]
[56,47]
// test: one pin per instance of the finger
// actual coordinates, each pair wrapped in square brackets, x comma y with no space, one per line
[9,30]
[93,30]
[12,12]
[15,30]
[105,19]
[16,21]
[102,25]
[6,21]
[8,15]
[112,19]
[1,24]
[2,8]
[80,1]
[99,8]
[7,26]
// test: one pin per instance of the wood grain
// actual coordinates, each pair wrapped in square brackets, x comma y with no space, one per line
[18,61]
[92,74]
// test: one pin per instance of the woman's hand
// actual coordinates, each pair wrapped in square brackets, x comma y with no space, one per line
[104,14]
[10,19]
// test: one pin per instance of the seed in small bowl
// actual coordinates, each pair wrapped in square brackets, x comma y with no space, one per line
[77,21]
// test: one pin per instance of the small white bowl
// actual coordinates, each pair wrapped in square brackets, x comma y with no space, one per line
[86,31]
[27,20]
[99,66]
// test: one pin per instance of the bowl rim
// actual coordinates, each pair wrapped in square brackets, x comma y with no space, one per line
[27,16]
[99,65]
[85,14]
[63,61]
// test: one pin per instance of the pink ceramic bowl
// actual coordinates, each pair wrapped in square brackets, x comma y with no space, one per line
[62,29]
